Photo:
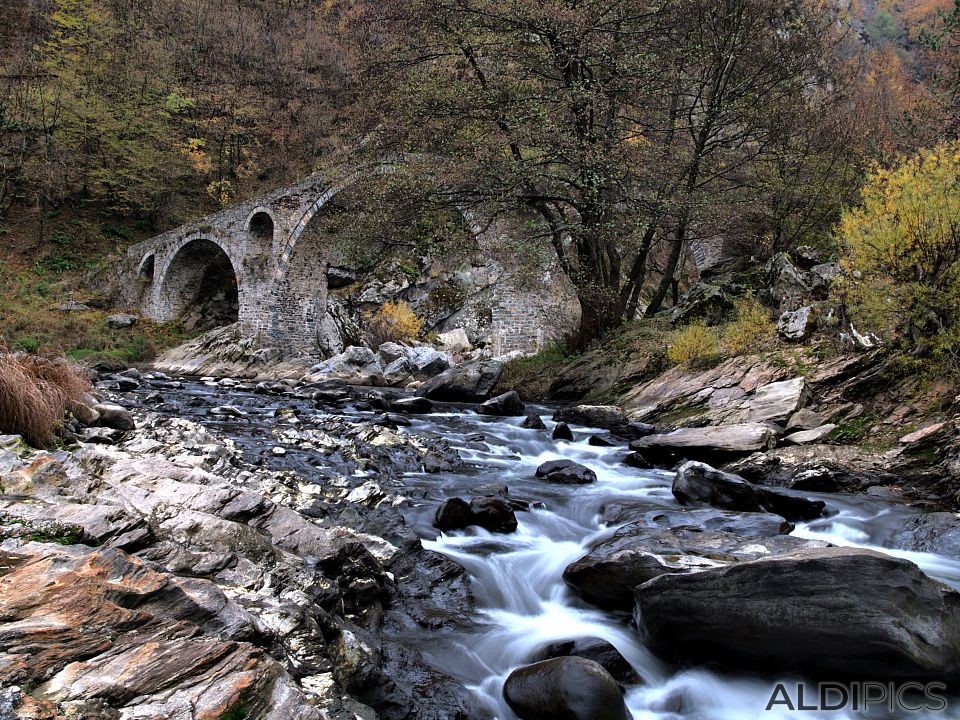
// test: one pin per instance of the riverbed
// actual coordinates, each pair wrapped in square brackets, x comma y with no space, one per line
[522,601]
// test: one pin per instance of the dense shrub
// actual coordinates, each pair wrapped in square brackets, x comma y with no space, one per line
[394,322]
[751,330]
[901,254]
[35,394]
[693,345]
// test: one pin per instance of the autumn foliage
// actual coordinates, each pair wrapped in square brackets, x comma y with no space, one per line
[901,251]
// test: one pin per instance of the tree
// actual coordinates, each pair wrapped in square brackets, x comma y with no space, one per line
[620,130]
[901,251]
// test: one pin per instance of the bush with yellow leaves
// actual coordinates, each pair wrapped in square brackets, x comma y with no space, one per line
[752,329]
[694,345]
[394,322]
[901,254]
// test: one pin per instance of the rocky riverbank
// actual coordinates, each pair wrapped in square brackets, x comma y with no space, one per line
[156,572]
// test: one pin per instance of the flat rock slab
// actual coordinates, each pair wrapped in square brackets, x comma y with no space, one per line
[708,442]
[805,437]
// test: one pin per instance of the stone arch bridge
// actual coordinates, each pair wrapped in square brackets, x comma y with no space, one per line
[264,255]
[251,251]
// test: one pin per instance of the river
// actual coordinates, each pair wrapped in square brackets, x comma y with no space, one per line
[524,604]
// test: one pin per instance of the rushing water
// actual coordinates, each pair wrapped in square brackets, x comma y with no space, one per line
[524,604]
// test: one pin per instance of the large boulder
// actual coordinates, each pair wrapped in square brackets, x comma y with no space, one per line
[708,442]
[697,483]
[600,416]
[564,688]
[566,472]
[830,613]
[429,362]
[609,572]
[507,405]
[464,383]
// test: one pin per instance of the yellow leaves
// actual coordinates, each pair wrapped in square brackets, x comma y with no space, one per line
[193,148]
[221,191]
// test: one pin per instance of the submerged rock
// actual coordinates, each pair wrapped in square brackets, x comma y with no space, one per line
[832,613]
[565,688]
[566,472]
[601,652]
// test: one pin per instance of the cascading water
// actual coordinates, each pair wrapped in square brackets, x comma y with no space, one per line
[524,604]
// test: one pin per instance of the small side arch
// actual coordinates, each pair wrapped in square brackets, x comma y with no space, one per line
[261,225]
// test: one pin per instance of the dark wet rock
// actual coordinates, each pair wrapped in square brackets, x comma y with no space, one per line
[600,416]
[463,383]
[411,406]
[566,472]
[533,422]
[633,430]
[116,417]
[565,688]
[601,652]
[495,514]
[833,613]
[637,460]
[601,441]
[562,431]
[937,532]
[507,405]
[810,469]
[699,484]
[609,572]
[125,384]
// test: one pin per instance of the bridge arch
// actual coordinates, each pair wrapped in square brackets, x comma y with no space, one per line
[261,225]
[199,278]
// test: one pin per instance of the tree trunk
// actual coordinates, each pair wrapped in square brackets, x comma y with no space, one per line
[667,280]
[600,311]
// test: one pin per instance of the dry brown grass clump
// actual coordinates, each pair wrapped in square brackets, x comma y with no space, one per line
[35,394]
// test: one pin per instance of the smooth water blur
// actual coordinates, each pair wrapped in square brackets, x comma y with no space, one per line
[524,604]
